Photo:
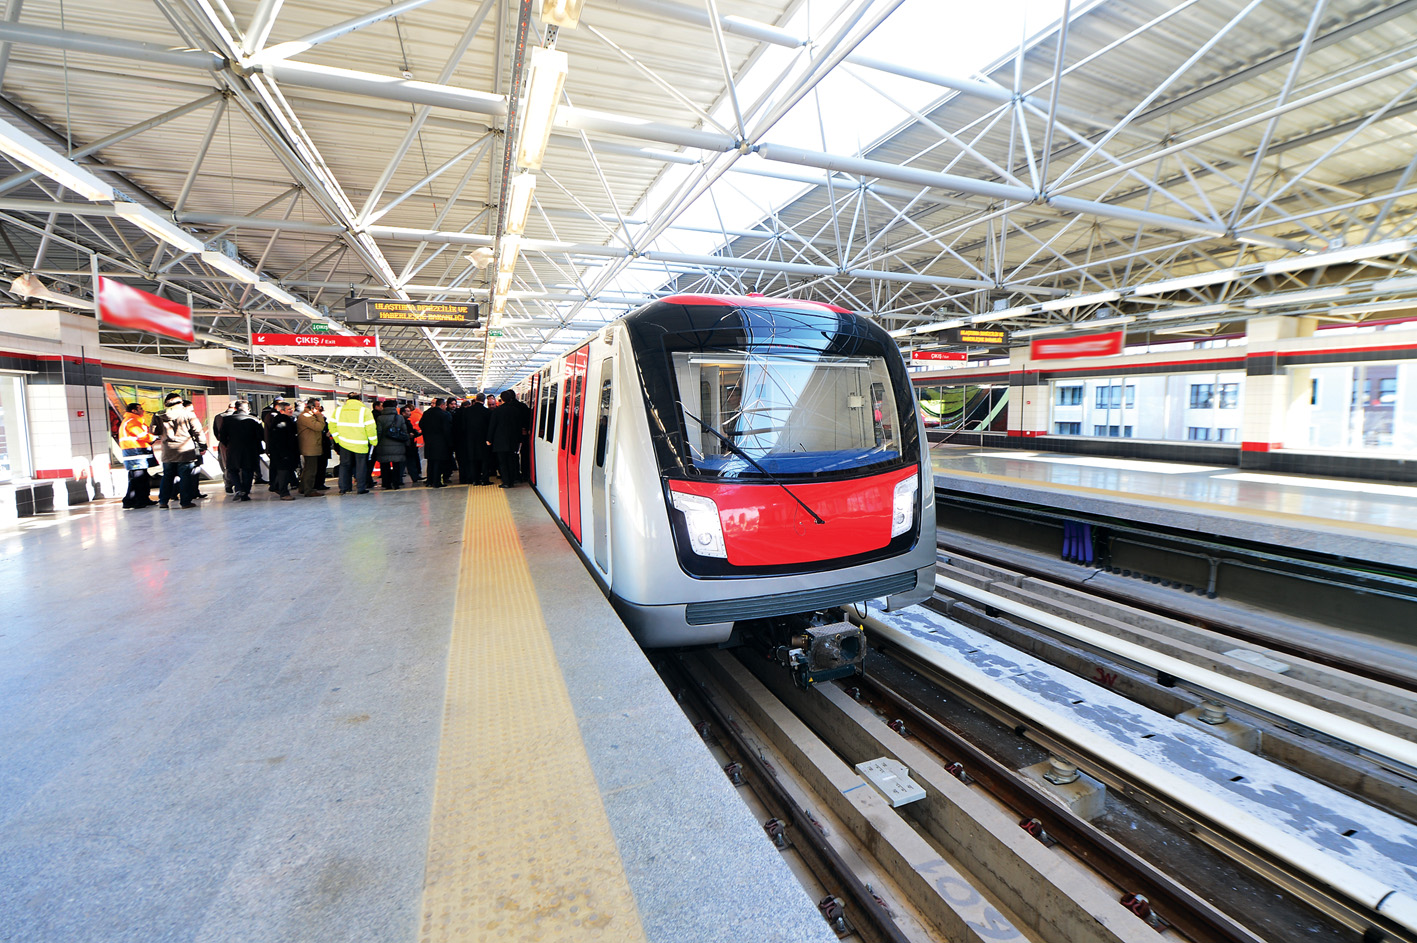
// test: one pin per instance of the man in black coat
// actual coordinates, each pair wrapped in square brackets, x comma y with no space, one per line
[478,453]
[457,411]
[283,448]
[244,438]
[504,434]
[437,428]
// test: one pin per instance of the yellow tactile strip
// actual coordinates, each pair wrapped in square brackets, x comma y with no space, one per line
[519,847]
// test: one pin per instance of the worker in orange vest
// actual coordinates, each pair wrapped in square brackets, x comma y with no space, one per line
[136,441]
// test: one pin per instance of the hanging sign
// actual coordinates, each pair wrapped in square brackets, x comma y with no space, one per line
[1070,348]
[974,336]
[958,355]
[316,345]
[121,305]
[413,313]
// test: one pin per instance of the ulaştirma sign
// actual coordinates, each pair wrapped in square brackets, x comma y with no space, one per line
[416,314]
[316,345]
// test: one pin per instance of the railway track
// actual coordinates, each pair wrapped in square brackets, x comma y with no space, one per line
[1159,597]
[1032,868]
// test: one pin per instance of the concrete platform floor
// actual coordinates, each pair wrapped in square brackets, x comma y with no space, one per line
[224,724]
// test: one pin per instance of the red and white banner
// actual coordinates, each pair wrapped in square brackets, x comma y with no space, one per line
[1068,348]
[316,345]
[121,305]
[958,355]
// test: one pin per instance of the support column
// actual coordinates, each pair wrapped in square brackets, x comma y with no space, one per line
[1028,402]
[1269,390]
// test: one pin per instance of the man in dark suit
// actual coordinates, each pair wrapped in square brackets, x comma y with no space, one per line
[479,455]
[437,428]
[505,432]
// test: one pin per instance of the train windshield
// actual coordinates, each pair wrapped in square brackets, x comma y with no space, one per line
[762,392]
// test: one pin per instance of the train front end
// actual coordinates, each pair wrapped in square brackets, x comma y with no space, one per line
[789,458]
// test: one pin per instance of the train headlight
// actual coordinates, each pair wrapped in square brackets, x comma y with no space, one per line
[903,510]
[701,517]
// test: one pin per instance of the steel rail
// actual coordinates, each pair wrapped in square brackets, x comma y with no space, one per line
[1196,917]
[859,893]
[1360,900]
[1189,616]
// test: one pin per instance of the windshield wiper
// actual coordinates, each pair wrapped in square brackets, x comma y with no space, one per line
[752,461]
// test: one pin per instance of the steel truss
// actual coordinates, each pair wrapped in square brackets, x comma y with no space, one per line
[1123,148]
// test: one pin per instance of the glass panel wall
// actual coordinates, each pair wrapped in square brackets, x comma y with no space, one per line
[972,407]
[1196,407]
[1369,407]
[14,437]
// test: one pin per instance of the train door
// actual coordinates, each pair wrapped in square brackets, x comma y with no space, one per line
[600,506]
[569,452]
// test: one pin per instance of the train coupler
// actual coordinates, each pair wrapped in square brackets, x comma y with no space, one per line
[824,652]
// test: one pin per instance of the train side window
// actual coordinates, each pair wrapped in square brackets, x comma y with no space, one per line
[566,416]
[603,425]
[548,423]
[578,412]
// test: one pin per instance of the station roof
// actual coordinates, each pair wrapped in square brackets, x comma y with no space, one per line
[928,164]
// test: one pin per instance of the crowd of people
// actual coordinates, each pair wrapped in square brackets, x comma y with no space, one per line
[467,437]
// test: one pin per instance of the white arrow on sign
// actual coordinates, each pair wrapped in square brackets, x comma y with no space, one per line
[260,338]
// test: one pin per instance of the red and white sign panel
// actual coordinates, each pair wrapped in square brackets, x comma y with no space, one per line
[121,305]
[958,355]
[1068,348]
[316,345]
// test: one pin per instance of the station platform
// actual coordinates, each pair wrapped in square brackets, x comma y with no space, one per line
[398,716]
[1359,520]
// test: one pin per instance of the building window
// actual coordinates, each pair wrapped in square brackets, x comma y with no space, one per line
[1229,395]
[1126,432]
[1229,435]
[1110,397]
[1198,433]
[1067,428]
[1110,431]
[1069,396]
[1202,396]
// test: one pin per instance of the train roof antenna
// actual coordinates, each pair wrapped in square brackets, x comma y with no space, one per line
[752,461]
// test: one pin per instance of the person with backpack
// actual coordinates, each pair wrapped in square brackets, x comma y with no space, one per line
[391,451]
[179,444]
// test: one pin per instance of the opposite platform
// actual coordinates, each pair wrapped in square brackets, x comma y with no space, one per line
[225,723]
[1355,519]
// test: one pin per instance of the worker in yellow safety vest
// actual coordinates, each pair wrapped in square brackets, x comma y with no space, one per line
[352,427]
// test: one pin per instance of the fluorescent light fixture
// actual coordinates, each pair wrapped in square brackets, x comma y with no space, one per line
[1079,301]
[1401,283]
[1001,314]
[543,94]
[1198,280]
[310,311]
[274,291]
[563,13]
[1189,328]
[519,203]
[1103,322]
[1340,256]
[154,225]
[1041,331]
[36,154]
[939,326]
[507,259]
[1296,297]
[1194,311]
[225,263]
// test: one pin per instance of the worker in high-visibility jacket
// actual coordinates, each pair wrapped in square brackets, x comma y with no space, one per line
[352,427]
[136,441]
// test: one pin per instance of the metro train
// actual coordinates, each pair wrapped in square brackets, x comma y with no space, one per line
[734,467]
